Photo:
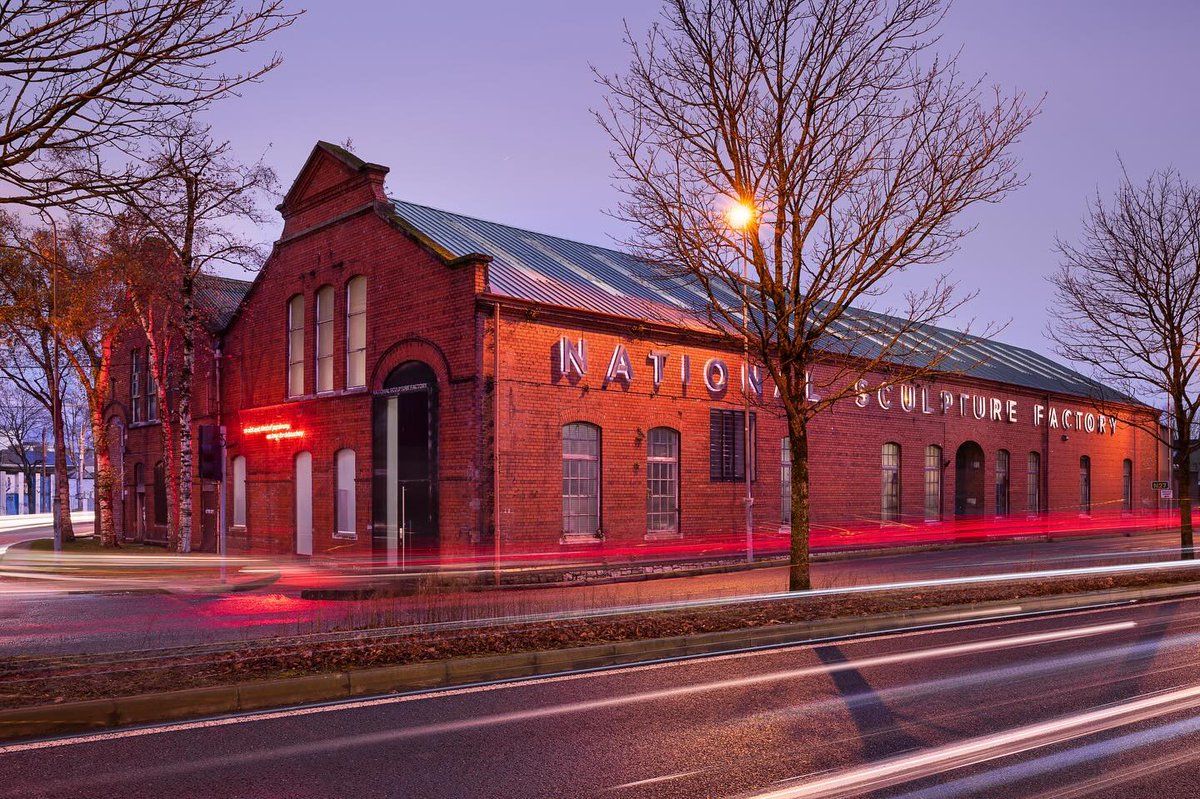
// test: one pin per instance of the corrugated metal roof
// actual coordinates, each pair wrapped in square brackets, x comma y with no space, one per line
[547,269]
[217,299]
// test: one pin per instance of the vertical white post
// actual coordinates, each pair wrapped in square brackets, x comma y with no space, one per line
[393,475]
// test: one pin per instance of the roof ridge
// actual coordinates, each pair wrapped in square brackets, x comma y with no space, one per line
[517,228]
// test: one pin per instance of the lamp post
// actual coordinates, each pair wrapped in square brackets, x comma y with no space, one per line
[740,216]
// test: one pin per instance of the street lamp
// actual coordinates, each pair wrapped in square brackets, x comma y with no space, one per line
[740,216]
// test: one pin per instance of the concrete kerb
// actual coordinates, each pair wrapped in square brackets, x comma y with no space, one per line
[74,717]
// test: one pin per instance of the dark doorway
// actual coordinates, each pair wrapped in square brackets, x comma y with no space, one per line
[404,455]
[208,517]
[968,480]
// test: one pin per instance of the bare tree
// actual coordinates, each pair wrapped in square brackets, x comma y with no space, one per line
[189,209]
[35,364]
[1127,304]
[90,79]
[857,148]
[22,418]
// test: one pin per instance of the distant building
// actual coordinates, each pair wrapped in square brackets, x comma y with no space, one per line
[27,483]
[485,389]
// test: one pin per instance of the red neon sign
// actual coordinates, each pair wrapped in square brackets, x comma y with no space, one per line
[276,431]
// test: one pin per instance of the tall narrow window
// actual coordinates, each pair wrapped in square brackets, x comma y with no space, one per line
[1127,485]
[296,346]
[662,481]
[344,493]
[304,515]
[785,481]
[1002,482]
[581,479]
[890,493]
[356,332]
[151,394]
[1033,482]
[1085,484]
[239,491]
[135,386]
[933,483]
[325,338]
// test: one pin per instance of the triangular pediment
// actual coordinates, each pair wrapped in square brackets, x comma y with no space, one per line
[331,170]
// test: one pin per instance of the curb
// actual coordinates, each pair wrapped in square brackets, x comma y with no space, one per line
[89,716]
[384,588]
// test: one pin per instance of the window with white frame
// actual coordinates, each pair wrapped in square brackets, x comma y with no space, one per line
[1033,482]
[890,488]
[135,386]
[933,483]
[151,394]
[296,346]
[581,479]
[785,481]
[324,338]
[344,492]
[356,332]
[239,491]
[662,481]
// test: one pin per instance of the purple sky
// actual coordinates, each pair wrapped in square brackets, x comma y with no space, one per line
[483,108]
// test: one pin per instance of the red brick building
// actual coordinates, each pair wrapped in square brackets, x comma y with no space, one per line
[393,364]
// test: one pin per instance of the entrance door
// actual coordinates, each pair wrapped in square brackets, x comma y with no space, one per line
[139,505]
[304,529]
[968,480]
[405,463]
[208,517]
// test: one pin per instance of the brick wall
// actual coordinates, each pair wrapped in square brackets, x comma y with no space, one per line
[420,307]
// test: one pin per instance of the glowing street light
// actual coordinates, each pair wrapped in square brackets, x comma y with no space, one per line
[740,215]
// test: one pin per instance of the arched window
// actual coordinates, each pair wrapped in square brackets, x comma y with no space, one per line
[1085,484]
[344,510]
[662,481]
[1127,484]
[890,492]
[239,491]
[581,479]
[1033,482]
[356,332]
[1002,482]
[303,482]
[933,482]
[325,338]
[160,494]
[296,346]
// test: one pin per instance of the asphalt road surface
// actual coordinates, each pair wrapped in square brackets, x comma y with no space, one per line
[1098,703]
[35,622]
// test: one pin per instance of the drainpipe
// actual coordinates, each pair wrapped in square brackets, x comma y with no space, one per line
[496,439]
[222,525]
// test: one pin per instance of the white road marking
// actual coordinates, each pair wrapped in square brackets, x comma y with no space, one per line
[549,711]
[655,780]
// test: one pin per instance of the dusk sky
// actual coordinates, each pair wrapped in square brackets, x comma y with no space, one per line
[484,108]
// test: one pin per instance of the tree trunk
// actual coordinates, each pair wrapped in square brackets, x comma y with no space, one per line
[62,482]
[104,478]
[166,427]
[799,578]
[185,418]
[1184,461]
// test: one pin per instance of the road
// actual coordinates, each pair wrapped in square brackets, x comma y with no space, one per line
[32,622]
[25,527]
[1099,703]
